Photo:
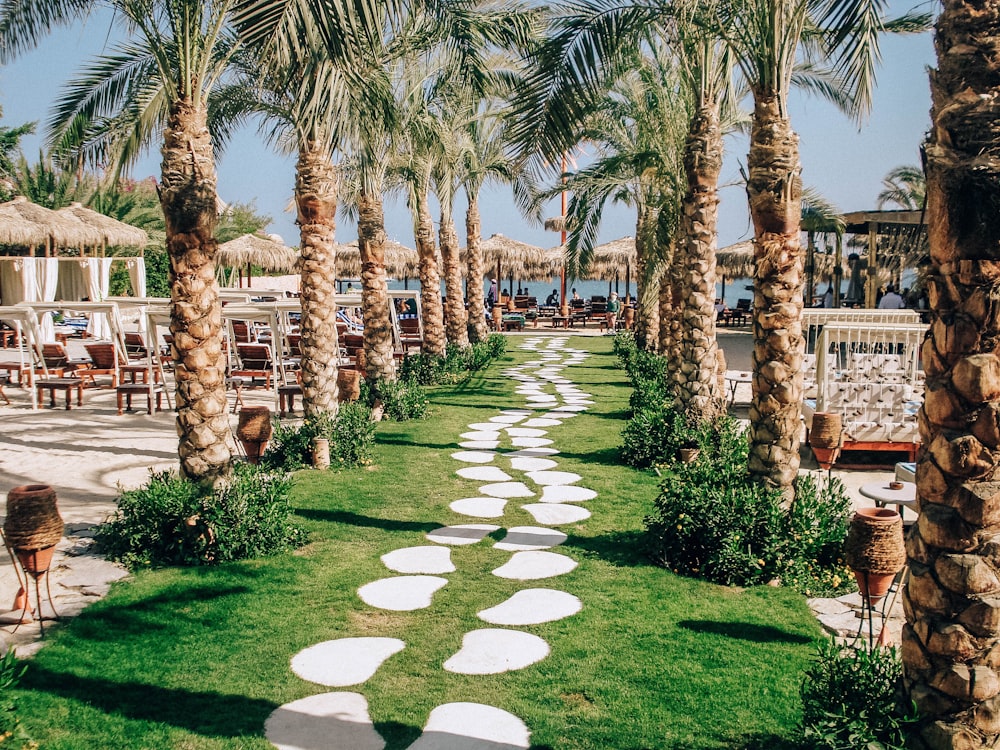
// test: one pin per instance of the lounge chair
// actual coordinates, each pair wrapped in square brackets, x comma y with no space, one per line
[255,362]
[105,359]
[739,314]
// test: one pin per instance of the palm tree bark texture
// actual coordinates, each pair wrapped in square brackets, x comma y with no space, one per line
[432,308]
[647,318]
[774,189]
[316,203]
[474,278]
[456,319]
[698,379]
[951,642]
[379,364]
[188,198]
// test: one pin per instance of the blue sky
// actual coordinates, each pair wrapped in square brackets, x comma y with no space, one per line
[844,161]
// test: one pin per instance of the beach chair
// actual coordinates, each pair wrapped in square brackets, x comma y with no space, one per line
[741,313]
[105,359]
[409,330]
[135,345]
[256,362]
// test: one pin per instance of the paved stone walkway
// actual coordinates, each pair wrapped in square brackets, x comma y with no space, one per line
[514,460]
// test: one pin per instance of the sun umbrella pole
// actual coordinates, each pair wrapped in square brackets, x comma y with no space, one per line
[564,303]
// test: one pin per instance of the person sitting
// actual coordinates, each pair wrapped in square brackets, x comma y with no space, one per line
[553,299]
[720,309]
[891,300]
[575,295]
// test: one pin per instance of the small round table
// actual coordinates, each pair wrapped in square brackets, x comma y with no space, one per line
[734,378]
[883,495]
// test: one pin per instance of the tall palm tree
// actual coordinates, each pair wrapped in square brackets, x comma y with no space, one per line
[176,53]
[904,187]
[952,634]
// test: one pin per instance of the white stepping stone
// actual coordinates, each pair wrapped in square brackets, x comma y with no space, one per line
[561,415]
[532,452]
[525,538]
[532,607]
[541,422]
[483,427]
[481,435]
[320,722]
[569,408]
[508,418]
[493,651]
[401,593]
[565,493]
[484,473]
[474,457]
[515,412]
[483,507]
[429,559]
[541,400]
[460,534]
[530,442]
[553,477]
[535,565]
[532,464]
[525,432]
[472,726]
[479,444]
[556,514]
[507,489]
[345,661]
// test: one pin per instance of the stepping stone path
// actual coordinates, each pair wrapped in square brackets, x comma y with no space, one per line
[511,456]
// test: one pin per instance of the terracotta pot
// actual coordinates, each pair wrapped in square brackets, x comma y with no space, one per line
[33,521]
[361,361]
[688,455]
[826,438]
[826,457]
[497,317]
[348,384]
[36,561]
[321,453]
[629,316]
[254,431]
[875,550]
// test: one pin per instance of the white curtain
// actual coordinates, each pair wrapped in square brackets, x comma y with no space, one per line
[99,279]
[73,283]
[47,279]
[137,276]
[12,280]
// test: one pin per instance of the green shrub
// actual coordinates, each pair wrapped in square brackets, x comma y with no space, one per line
[12,734]
[172,521]
[851,699]
[353,437]
[426,369]
[654,435]
[351,434]
[713,522]
[402,400]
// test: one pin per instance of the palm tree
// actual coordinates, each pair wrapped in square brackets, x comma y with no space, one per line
[160,80]
[952,634]
[904,187]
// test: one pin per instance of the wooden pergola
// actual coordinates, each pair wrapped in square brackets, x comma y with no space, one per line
[901,227]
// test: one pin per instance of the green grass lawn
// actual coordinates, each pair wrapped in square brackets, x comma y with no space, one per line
[198,658]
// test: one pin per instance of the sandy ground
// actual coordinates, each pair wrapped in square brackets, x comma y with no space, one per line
[87,453]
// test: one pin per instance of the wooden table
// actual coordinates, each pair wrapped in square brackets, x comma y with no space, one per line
[65,384]
[883,495]
[125,391]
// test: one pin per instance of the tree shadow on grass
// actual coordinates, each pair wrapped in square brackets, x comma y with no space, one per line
[745,631]
[354,519]
[623,549]
[207,713]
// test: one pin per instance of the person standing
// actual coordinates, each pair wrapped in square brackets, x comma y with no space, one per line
[891,300]
[491,295]
[614,307]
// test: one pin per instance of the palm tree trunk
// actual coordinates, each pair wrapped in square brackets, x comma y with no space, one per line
[775,193]
[379,364]
[647,315]
[698,380]
[430,280]
[188,198]
[456,319]
[474,275]
[316,201]
[952,636]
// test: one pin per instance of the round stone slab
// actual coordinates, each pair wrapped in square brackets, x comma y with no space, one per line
[401,593]
[532,566]
[564,493]
[541,422]
[481,435]
[521,538]
[474,457]
[532,464]
[532,607]
[320,722]
[483,507]
[525,432]
[466,533]
[532,452]
[507,489]
[569,408]
[472,726]
[484,474]
[553,477]
[493,651]
[480,444]
[345,661]
[429,559]
[483,426]
[556,514]
[508,418]
[530,442]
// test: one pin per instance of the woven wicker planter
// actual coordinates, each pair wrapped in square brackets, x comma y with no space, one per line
[33,526]
[321,453]
[826,438]
[254,431]
[875,550]
[348,384]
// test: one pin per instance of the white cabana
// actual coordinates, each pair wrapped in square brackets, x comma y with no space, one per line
[29,351]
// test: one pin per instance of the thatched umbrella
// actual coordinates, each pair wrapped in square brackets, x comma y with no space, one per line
[608,260]
[517,260]
[734,261]
[56,230]
[256,250]
[401,261]
[112,231]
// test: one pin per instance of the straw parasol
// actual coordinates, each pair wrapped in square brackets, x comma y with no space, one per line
[55,229]
[112,231]
[503,256]
[610,258]
[256,250]
[400,260]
